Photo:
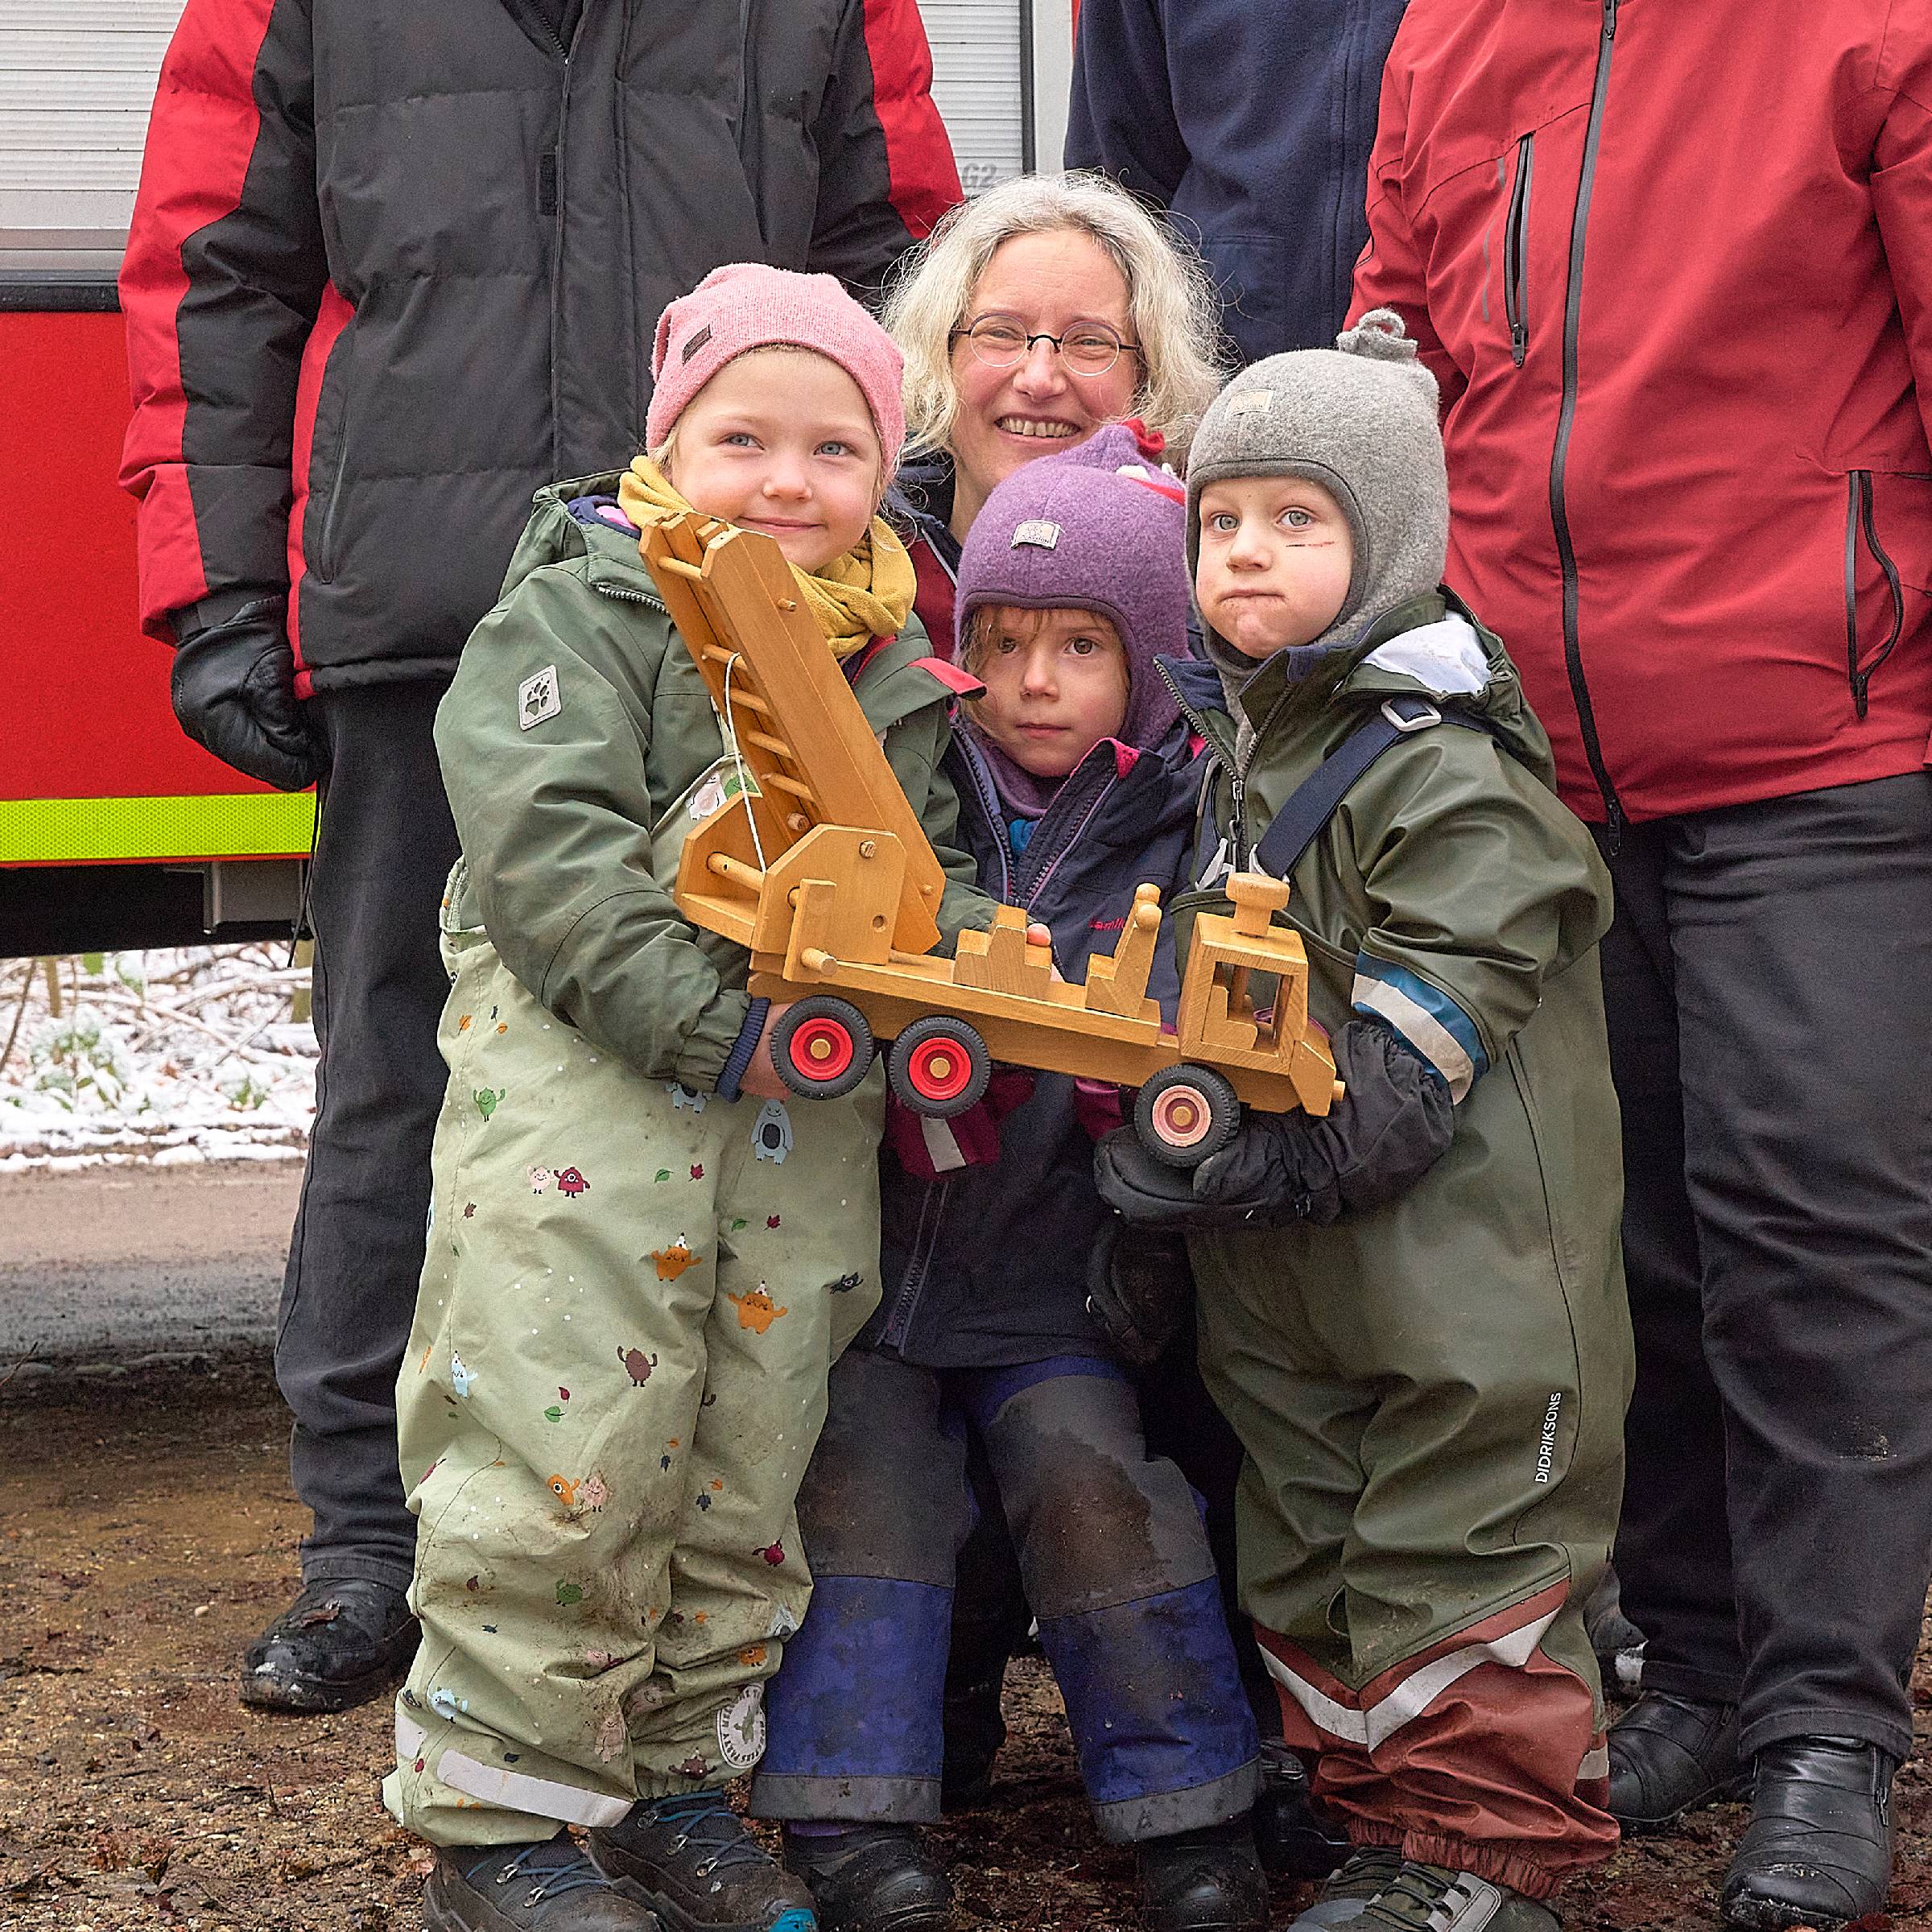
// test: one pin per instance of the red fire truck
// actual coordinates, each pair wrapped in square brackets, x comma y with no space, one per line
[115,829]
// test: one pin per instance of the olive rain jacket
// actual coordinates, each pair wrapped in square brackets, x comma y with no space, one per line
[1454,897]
[556,814]
[391,269]
[1672,266]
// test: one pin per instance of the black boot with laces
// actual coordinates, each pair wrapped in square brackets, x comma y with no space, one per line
[700,1870]
[548,1887]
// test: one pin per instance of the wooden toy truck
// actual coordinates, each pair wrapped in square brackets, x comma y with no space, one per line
[820,868]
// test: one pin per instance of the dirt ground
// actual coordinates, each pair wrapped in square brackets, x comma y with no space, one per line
[147,1530]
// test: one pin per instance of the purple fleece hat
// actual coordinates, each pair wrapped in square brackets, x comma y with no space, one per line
[1098,527]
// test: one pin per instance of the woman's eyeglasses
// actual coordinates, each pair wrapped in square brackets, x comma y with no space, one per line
[1088,348]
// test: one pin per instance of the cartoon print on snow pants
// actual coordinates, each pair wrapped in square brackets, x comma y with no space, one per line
[614,1383]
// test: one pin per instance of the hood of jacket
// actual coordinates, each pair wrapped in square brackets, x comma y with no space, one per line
[1432,647]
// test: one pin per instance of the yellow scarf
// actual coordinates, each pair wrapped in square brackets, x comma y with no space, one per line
[865,593]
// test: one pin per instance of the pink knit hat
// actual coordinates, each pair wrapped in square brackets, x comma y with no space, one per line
[747,306]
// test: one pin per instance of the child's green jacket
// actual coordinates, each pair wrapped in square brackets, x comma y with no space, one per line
[576,720]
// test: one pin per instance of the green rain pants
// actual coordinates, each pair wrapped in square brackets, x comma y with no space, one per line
[633,1298]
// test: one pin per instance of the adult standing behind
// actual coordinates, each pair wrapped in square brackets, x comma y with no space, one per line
[380,285]
[1686,394]
[1251,126]
[1037,312]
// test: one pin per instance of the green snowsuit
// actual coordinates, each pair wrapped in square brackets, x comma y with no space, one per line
[1431,1393]
[634,1290]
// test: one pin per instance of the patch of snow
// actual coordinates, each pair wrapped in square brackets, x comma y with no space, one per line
[157,1058]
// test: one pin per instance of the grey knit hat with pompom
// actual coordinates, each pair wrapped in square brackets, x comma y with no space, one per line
[1361,420]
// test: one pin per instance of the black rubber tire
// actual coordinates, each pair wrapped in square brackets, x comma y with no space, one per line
[1224,1114]
[938,1027]
[822,1006]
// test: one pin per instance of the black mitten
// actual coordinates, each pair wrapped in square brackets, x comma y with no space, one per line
[1139,1289]
[1393,1124]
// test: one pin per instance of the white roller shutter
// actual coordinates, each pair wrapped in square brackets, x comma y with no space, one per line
[76,81]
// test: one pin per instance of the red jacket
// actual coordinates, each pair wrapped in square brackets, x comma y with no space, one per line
[1672,265]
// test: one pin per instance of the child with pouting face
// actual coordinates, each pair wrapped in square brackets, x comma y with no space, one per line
[634,1287]
[1077,778]
[1412,1309]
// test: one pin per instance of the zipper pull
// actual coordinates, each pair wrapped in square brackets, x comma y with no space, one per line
[1613,829]
[1237,795]
[1519,342]
[1610,19]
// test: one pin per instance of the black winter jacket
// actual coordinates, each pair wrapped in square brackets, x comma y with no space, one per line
[391,268]
[985,1267]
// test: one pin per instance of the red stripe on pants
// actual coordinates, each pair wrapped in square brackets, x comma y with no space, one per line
[1484,1774]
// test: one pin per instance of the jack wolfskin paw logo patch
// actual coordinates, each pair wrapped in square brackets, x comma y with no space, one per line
[538,699]
[1038,531]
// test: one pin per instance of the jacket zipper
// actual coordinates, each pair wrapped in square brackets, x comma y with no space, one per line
[906,1302]
[555,160]
[1237,771]
[989,803]
[326,549]
[1859,519]
[1516,248]
[1559,455]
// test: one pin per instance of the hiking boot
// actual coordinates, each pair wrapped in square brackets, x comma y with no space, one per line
[1818,1849]
[340,1643]
[872,1878]
[1365,1872]
[1428,1898]
[1208,1880]
[1669,1755]
[1296,1838]
[548,1887]
[701,1871]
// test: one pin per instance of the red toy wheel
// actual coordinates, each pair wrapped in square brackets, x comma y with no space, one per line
[938,1066]
[1185,1113]
[822,1048]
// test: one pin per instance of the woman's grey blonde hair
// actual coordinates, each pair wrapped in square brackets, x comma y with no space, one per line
[1170,301]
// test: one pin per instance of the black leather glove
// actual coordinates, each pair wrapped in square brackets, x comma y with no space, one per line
[1394,1123]
[233,689]
[1139,1289]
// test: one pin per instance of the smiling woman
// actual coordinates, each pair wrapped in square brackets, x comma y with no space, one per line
[1050,306]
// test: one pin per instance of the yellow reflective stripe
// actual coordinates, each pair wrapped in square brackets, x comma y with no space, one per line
[59,831]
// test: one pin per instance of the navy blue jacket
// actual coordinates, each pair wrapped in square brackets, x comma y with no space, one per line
[1252,125]
[986,1266]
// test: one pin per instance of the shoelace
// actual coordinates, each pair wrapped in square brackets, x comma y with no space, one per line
[1368,1869]
[558,1867]
[1418,1897]
[724,1842]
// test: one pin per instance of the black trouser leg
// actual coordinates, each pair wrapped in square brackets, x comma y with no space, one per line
[1184,1426]
[384,845]
[1673,1548]
[1800,947]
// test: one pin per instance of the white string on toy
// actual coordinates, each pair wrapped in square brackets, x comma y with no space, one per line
[730,743]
